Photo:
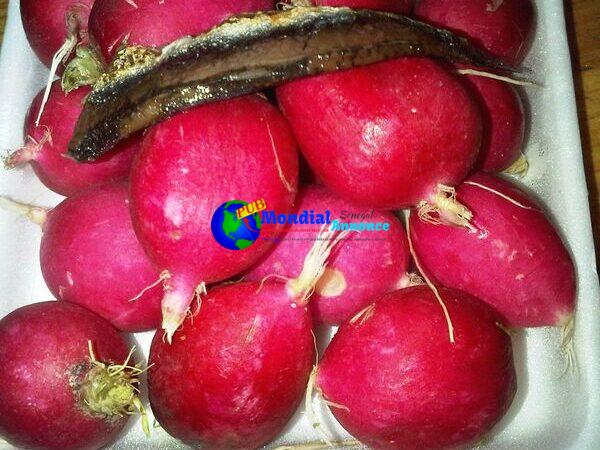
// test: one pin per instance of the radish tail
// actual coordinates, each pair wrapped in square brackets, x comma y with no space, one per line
[29,152]
[519,168]
[176,302]
[303,286]
[445,209]
[35,214]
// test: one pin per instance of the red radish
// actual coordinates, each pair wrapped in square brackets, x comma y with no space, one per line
[54,25]
[364,266]
[514,259]
[191,164]
[396,382]
[395,6]
[234,376]
[47,145]
[388,135]
[503,27]
[154,23]
[503,123]
[90,256]
[66,380]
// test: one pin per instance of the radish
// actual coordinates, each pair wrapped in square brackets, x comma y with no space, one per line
[90,256]
[153,23]
[394,381]
[66,380]
[395,6]
[366,265]
[503,124]
[503,27]
[513,259]
[234,376]
[47,145]
[388,135]
[54,27]
[191,165]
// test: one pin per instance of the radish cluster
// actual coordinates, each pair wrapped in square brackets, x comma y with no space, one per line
[202,228]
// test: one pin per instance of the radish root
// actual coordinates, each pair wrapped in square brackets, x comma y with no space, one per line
[321,445]
[315,263]
[364,314]
[286,184]
[28,152]
[35,214]
[61,56]
[493,76]
[567,346]
[176,307]
[429,283]
[162,279]
[499,194]
[446,209]
[111,389]
[519,168]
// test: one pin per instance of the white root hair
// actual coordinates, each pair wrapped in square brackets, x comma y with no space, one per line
[429,283]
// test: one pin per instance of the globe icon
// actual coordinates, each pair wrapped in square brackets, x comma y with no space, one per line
[231,232]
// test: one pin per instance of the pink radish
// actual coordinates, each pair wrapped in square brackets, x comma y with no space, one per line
[90,256]
[234,376]
[395,381]
[389,135]
[503,27]
[153,23]
[366,265]
[395,6]
[66,380]
[47,144]
[503,123]
[54,27]
[191,164]
[513,259]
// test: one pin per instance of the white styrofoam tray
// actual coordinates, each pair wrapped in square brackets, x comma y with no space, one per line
[551,411]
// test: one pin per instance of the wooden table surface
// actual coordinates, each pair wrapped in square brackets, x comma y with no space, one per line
[583,22]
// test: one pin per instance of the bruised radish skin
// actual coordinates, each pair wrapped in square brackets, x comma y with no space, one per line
[400,383]
[394,6]
[515,260]
[45,361]
[46,145]
[364,266]
[503,123]
[234,376]
[90,256]
[385,135]
[153,23]
[505,28]
[189,165]
[45,24]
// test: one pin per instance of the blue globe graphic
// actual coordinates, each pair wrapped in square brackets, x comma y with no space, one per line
[231,232]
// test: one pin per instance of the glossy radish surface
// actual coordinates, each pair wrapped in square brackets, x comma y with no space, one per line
[154,23]
[46,145]
[367,264]
[90,256]
[50,395]
[190,165]
[514,259]
[385,135]
[235,374]
[399,383]
[503,27]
